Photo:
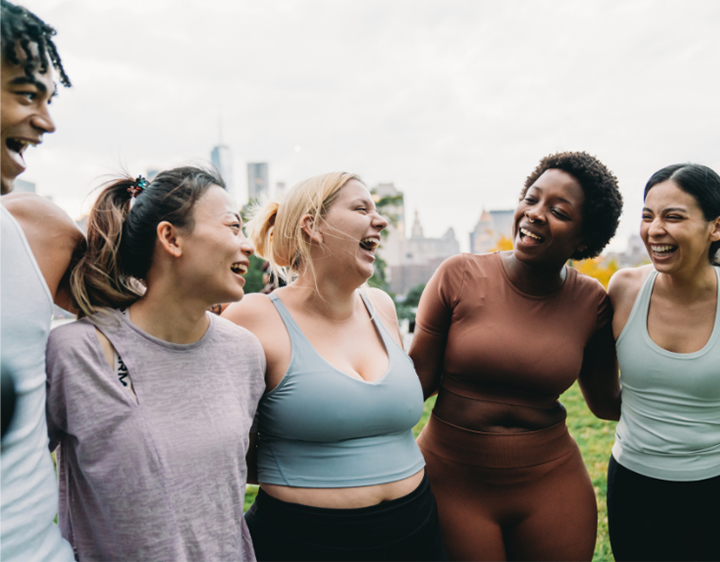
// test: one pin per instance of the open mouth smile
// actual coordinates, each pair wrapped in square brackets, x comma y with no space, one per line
[239,268]
[525,234]
[663,250]
[369,244]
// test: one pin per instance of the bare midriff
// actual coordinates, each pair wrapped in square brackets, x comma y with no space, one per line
[495,410]
[345,498]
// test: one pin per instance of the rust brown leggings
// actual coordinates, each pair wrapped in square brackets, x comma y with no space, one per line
[520,496]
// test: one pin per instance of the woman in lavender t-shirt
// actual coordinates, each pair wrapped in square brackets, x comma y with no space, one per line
[150,397]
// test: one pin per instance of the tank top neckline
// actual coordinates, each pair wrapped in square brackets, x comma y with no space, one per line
[641,308]
[292,327]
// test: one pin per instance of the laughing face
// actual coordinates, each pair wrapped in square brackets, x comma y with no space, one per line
[216,253]
[24,116]
[351,229]
[674,229]
[548,221]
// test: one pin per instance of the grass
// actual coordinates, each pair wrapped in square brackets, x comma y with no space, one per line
[594,437]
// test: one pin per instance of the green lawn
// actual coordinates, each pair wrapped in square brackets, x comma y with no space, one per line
[595,438]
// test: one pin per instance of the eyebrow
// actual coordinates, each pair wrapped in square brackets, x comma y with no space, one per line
[558,198]
[20,80]
[668,210]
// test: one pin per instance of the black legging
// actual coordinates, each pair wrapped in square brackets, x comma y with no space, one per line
[651,519]
[403,529]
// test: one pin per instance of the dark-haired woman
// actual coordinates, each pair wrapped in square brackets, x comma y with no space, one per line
[150,397]
[499,337]
[664,474]
[341,476]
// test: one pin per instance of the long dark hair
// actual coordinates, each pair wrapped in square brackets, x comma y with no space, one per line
[121,239]
[702,183]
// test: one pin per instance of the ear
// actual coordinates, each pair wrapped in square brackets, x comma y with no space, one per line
[168,236]
[308,225]
[715,230]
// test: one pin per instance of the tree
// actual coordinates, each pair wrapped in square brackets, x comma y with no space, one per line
[598,268]
[384,206]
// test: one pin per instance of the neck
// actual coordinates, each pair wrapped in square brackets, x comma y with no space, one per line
[326,295]
[689,285]
[169,316]
[533,279]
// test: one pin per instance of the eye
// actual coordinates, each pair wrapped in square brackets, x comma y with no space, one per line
[28,95]
[674,217]
[559,214]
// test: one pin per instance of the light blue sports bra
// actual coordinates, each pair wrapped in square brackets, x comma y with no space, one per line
[322,428]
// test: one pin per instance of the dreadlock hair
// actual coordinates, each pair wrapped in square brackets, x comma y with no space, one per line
[22,27]
[121,237]
[603,202]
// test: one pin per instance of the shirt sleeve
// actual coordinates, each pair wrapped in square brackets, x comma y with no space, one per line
[605,310]
[440,297]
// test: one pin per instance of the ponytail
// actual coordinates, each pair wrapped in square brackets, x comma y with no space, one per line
[98,281]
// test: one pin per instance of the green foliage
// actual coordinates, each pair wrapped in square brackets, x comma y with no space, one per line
[413,297]
[253,277]
[378,279]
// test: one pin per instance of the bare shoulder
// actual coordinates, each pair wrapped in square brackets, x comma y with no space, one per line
[30,208]
[383,303]
[250,312]
[625,285]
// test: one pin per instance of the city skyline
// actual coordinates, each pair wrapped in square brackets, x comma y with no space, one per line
[453,102]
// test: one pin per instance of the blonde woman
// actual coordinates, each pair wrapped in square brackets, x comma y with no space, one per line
[341,476]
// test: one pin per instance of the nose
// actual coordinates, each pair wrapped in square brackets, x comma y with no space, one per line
[656,228]
[533,214]
[246,247]
[42,120]
[380,222]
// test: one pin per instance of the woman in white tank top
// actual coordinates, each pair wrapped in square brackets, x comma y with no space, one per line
[664,475]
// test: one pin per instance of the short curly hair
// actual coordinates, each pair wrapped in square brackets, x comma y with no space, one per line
[603,202]
[20,27]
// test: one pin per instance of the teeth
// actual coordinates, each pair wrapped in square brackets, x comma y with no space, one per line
[662,249]
[369,244]
[18,145]
[239,268]
[530,234]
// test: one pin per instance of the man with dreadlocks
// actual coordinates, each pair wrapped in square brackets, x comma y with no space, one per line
[38,242]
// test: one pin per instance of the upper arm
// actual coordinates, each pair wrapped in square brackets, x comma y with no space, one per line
[55,240]
[623,289]
[599,380]
[434,316]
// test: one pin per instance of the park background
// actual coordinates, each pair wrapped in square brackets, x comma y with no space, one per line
[453,102]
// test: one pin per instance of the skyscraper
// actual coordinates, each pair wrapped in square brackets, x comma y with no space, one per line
[258,183]
[222,160]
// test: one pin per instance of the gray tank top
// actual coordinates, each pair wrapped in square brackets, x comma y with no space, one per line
[669,427]
[321,428]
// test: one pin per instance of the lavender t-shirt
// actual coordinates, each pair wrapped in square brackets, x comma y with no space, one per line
[159,475]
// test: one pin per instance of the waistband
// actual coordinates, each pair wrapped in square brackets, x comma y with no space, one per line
[496,450]
[489,393]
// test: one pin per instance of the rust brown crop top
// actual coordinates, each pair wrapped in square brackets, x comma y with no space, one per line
[503,345]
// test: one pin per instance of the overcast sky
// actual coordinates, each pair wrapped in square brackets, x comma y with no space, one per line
[453,101]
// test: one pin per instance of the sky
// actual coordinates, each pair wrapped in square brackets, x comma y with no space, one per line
[455,102]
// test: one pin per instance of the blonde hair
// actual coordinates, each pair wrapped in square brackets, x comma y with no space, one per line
[275,228]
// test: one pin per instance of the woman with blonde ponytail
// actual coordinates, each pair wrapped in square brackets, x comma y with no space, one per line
[150,397]
[340,475]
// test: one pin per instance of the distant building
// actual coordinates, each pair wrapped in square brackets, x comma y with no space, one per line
[258,183]
[280,189]
[635,254]
[150,174]
[410,261]
[221,158]
[491,226]
[22,186]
